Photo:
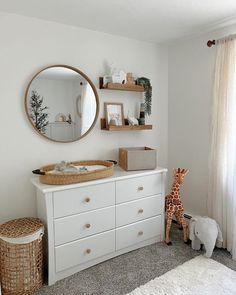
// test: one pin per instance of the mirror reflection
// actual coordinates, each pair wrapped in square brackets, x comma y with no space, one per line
[61,103]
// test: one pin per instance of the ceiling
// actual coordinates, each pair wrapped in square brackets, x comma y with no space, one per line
[156,21]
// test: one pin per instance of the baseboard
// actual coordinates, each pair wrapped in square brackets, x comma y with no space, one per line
[187,215]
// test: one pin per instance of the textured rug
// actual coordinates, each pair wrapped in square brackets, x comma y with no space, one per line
[199,275]
[124,273]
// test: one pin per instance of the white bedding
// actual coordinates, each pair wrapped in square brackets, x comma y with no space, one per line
[88,167]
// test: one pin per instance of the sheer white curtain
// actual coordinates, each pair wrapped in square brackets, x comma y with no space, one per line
[88,104]
[222,173]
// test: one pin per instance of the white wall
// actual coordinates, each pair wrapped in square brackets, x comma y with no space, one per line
[191,71]
[29,44]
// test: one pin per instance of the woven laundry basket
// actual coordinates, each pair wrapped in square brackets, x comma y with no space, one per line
[21,260]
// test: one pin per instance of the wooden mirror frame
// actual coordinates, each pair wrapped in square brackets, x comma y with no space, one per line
[86,78]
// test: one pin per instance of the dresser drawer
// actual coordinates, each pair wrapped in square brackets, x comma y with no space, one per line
[138,187]
[140,231]
[139,209]
[82,225]
[83,199]
[84,250]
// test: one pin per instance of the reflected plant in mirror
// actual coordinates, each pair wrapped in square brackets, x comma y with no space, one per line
[61,103]
[37,112]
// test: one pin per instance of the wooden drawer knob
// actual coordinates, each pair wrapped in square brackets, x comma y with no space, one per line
[140,233]
[87,200]
[140,211]
[87,225]
[140,188]
[88,251]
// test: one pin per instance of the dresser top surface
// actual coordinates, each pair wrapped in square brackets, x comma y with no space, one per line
[119,174]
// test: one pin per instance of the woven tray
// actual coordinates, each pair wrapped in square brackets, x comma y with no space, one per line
[48,177]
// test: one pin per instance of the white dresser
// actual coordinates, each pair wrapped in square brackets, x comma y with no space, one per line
[93,221]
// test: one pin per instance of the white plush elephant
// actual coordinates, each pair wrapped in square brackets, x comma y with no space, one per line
[206,231]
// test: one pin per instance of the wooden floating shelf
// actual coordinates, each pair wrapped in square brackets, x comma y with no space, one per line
[118,86]
[123,127]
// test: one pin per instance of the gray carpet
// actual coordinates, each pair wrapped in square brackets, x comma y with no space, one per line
[124,273]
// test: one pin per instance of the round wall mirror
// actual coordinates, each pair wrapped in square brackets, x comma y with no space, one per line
[61,103]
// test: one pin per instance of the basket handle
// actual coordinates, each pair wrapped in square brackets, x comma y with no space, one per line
[38,172]
[112,161]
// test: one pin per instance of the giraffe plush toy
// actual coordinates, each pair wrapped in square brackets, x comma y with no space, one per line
[174,205]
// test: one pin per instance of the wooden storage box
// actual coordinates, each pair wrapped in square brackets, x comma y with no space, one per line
[137,158]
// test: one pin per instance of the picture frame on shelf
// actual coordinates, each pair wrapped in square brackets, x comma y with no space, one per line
[114,113]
